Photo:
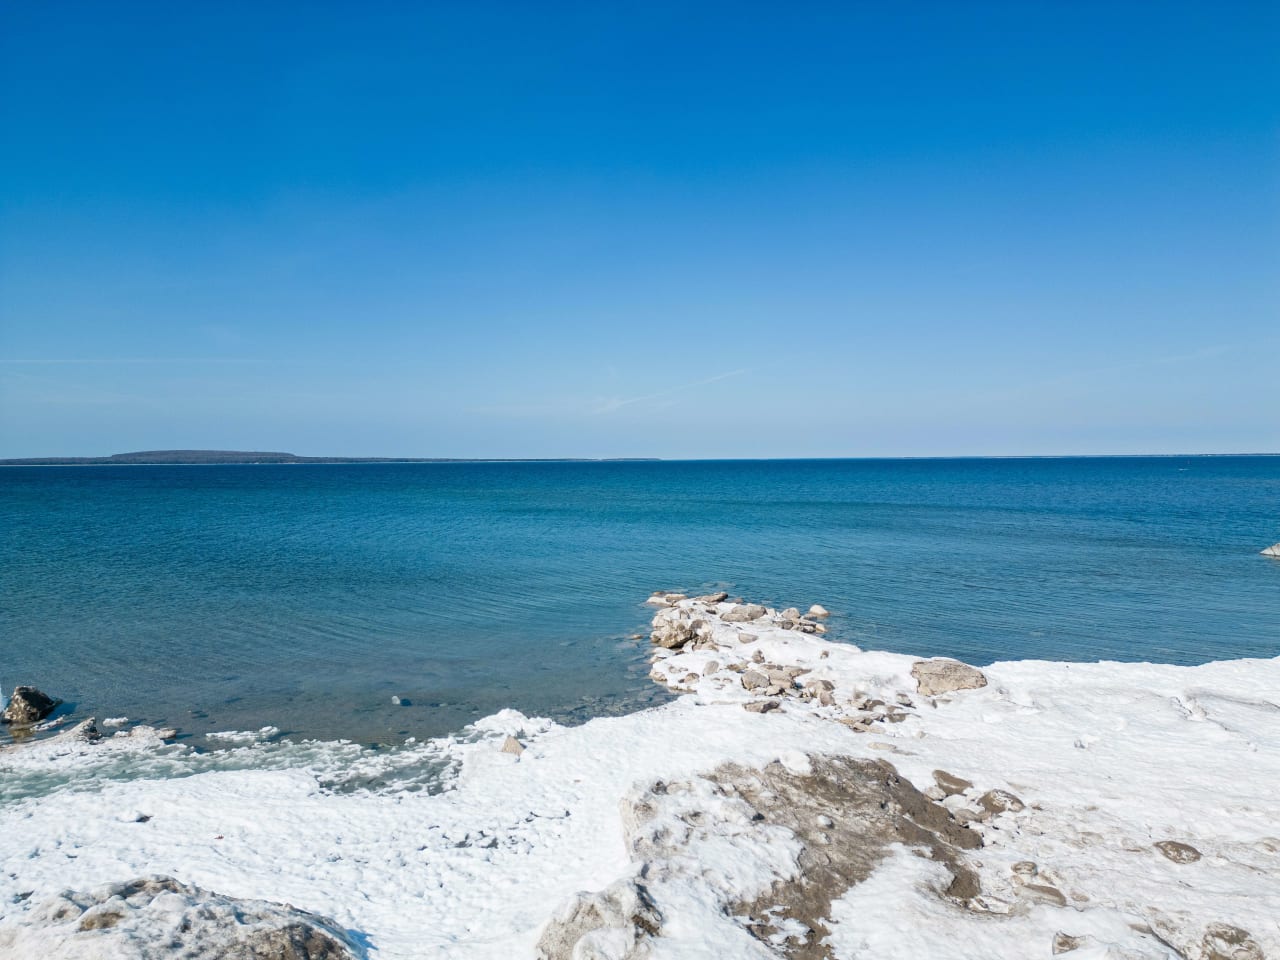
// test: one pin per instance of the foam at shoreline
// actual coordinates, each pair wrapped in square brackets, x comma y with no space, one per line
[454,848]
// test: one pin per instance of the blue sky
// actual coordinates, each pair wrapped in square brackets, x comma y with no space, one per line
[678,230]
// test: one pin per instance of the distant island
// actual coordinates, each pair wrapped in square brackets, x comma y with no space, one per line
[176,457]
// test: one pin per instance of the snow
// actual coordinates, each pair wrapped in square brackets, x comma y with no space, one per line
[453,848]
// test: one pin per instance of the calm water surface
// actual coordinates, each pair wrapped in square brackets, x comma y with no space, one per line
[306,596]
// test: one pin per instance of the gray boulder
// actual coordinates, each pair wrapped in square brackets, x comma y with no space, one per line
[945,676]
[28,705]
[743,613]
[157,917]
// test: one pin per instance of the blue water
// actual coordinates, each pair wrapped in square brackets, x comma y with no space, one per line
[306,596]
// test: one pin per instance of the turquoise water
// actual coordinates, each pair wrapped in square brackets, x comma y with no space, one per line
[227,597]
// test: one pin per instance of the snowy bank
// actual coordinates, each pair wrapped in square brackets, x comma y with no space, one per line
[803,799]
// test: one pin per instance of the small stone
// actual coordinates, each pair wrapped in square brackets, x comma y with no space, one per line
[711,667]
[824,654]
[760,706]
[754,680]
[791,613]
[513,746]
[1000,801]
[818,610]
[1043,893]
[1065,943]
[745,637]
[713,598]
[757,657]
[1025,868]
[1178,852]
[949,783]
[690,678]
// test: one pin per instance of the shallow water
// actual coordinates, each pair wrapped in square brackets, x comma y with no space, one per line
[229,597]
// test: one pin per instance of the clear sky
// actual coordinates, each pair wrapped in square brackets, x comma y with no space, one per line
[677,230]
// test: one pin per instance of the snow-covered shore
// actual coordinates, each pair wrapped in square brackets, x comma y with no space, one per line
[804,799]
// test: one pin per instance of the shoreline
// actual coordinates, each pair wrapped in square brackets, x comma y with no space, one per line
[1070,775]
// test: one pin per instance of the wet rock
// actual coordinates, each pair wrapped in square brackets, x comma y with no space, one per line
[28,705]
[1000,801]
[818,610]
[1272,551]
[743,613]
[949,783]
[760,706]
[158,916]
[934,677]
[713,598]
[1178,852]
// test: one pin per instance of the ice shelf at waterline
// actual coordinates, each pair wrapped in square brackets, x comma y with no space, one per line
[804,798]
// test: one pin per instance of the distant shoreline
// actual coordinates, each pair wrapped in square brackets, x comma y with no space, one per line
[215,458]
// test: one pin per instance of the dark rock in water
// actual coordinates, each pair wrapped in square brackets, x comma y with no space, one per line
[28,705]
[158,916]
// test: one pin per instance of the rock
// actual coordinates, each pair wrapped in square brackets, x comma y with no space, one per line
[757,657]
[745,637]
[600,926]
[1272,551]
[1222,941]
[1065,943]
[760,706]
[158,916]
[713,598]
[710,667]
[754,680]
[28,705]
[743,613]
[949,783]
[1000,801]
[791,613]
[86,731]
[1043,893]
[1178,852]
[672,634]
[818,610]
[513,746]
[944,676]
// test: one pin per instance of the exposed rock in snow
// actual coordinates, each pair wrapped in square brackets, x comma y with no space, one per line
[934,677]
[28,705]
[154,917]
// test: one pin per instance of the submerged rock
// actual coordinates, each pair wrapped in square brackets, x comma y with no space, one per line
[28,705]
[158,916]
[945,676]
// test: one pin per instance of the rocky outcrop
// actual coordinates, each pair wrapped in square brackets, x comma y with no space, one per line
[840,819]
[934,677]
[28,705]
[1272,551]
[157,916]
